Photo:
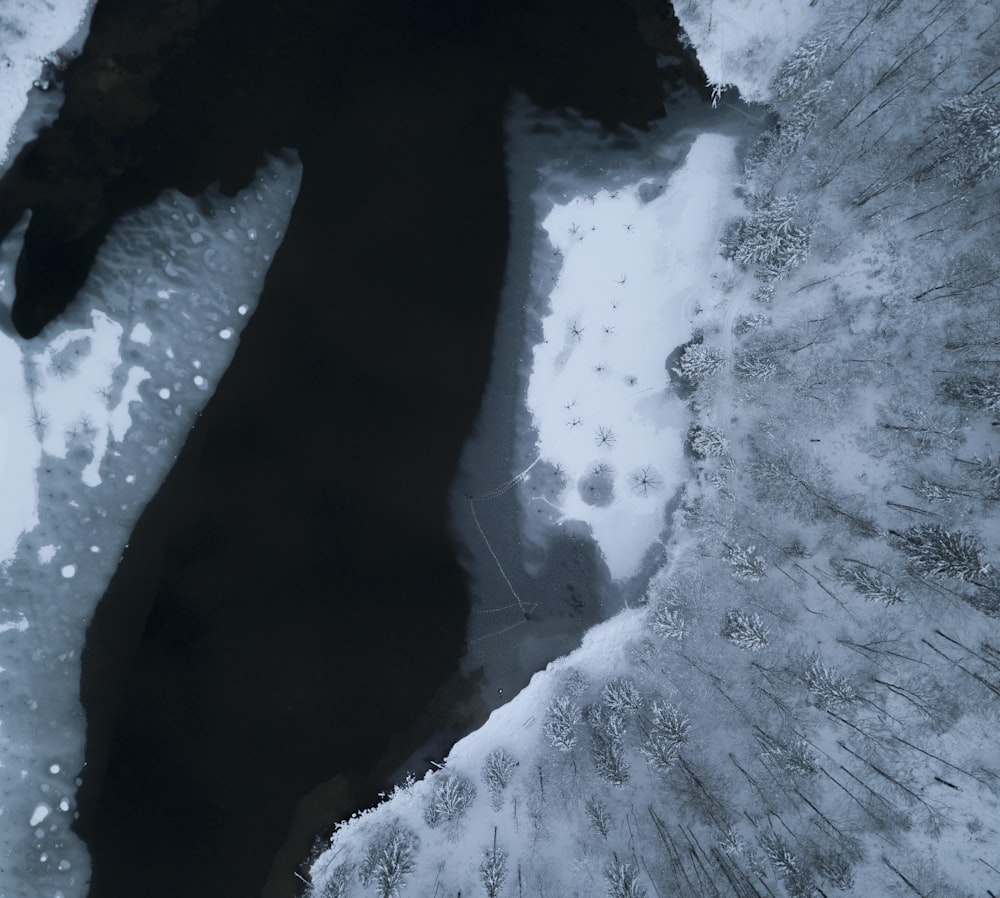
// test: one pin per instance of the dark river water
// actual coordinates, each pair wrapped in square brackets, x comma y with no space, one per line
[289,611]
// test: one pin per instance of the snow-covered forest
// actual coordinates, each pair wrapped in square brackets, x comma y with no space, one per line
[807,702]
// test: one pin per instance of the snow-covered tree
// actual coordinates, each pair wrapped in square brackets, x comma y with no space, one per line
[987,469]
[977,392]
[390,858]
[621,697]
[753,367]
[747,323]
[498,770]
[667,620]
[771,239]
[666,733]
[561,720]
[939,552]
[599,816]
[793,756]
[449,800]
[871,585]
[745,629]
[607,743]
[337,883]
[746,563]
[708,442]
[837,870]
[493,870]
[970,132]
[623,880]
[799,70]
[698,362]
[831,689]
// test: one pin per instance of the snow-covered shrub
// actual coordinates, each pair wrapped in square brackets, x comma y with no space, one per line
[831,689]
[623,880]
[746,630]
[770,239]
[620,696]
[561,720]
[666,619]
[599,816]
[699,362]
[493,870]
[800,68]
[872,586]
[970,132]
[746,563]
[708,442]
[939,552]
[667,731]
[498,770]
[450,799]
[390,858]
[753,367]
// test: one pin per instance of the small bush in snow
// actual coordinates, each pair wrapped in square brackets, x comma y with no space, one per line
[699,362]
[450,799]
[623,880]
[389,860]
[746,563]
[666,620]
[770,239]
[970,128]
[708,442]
[599,816]
[799,69]
[498,771]
[561,720]
[746,630]
[939,552]
[831,689]
[493,870]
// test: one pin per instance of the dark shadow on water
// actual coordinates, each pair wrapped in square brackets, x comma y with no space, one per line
[290,603]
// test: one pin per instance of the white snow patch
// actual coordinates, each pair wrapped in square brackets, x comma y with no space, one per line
[46,554]
[141,334]
[68,571]
[39,814]
[633,274]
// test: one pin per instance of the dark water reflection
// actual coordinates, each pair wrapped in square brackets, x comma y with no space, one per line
[290,603]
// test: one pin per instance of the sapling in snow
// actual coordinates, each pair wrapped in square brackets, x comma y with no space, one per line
[599,816]
[607,748]
[666,733]
[493,869]
[337,884]
[746,630]
[621,696]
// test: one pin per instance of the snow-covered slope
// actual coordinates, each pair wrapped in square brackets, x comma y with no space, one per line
[808,703]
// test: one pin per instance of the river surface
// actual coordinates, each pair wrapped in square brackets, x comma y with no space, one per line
[289,616]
